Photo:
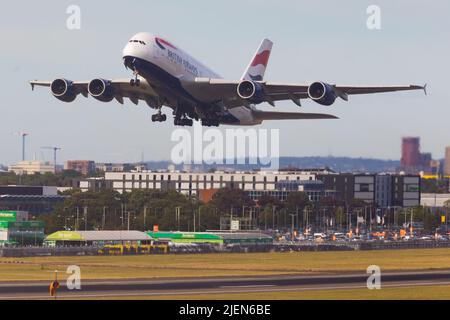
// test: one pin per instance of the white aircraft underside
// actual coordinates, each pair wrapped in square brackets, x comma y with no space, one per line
[164,75]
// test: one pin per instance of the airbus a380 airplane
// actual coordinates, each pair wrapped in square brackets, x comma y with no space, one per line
[164,75]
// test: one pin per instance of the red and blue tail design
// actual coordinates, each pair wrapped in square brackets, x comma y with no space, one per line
[257,68]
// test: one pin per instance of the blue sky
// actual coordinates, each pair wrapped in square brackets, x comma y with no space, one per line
[314,40]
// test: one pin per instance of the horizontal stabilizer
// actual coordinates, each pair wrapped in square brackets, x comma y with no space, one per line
[269,115]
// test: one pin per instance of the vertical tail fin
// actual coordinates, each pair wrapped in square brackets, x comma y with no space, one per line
[257,67]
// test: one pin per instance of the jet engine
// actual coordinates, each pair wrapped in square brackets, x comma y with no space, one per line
[251,91]
[101,90]
[322,93]
[63,90]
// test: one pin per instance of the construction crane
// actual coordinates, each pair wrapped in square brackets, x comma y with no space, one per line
[55,150]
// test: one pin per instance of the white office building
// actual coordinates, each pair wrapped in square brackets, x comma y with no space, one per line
[190,183]
[437,200]
[32,167]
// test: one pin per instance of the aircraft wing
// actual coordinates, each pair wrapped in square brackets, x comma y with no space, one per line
[269,115]
[121,88]
[218,90]
[79,86]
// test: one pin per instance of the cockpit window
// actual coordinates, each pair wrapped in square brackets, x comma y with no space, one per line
[138,41]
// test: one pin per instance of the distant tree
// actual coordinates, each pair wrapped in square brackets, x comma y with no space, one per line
[141,208]
[341,217]
[297,200]
[209,217]
[357,203]
[265,200]
[434,186]
[430,221]
[330,202]
[61,179]
[225,199]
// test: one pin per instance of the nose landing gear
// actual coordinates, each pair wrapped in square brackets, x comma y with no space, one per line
[135,82]
[159,117]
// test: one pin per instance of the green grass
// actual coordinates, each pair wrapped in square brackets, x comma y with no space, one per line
[156,266]
[402,293]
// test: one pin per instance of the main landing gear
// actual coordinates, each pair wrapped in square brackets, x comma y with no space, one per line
[184,122]
[181,118]
[210,122]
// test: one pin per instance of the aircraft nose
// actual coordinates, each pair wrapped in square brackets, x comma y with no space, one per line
[128,50]
[128,62]
[131,52]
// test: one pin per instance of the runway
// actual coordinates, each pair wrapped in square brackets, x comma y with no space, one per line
[193,286]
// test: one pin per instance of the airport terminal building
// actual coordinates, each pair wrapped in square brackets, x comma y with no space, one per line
[36,200]
[191,183]
[384,190]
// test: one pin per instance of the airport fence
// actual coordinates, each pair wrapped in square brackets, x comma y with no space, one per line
[211,248]
[16,252]
[360,245]
[316,246]
[410,244]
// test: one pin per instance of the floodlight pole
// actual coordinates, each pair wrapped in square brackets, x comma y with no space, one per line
[199,214]
[145,216]
[104,218]
[177,216]
[77,221]
[85,218]
[292,225]
[194,220]
[273,217]
[24,135]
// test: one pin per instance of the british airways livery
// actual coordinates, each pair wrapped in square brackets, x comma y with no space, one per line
[164,75]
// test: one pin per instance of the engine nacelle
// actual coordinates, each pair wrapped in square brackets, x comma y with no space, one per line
[322,93]
[63,90]
[251,91]
[101,90]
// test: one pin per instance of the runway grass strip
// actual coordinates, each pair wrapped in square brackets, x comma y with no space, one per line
[403,293]
[204,265]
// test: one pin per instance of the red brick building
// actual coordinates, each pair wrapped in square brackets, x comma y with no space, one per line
[411,157]
[83,166]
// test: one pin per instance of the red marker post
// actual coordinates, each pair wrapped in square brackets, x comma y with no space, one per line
[54,286]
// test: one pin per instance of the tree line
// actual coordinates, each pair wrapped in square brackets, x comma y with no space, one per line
[171,211]
[142,209]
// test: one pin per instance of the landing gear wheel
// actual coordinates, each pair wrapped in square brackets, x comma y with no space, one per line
[159,117]
[210,123]
[185,122]
[135,82]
